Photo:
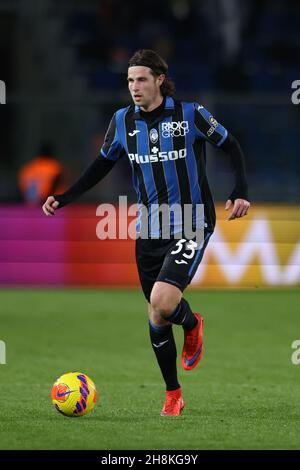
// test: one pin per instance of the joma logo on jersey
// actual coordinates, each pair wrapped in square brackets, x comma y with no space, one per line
[175,129]
[159,157]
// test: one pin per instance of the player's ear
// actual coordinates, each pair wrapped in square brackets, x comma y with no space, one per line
[161,78]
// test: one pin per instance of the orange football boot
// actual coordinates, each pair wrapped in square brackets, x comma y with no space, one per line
[174,403]
[193,345]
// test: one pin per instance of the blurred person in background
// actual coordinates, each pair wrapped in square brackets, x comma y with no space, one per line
[164,140]
[41,176]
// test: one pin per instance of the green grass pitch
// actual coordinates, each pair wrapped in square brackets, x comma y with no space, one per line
[244,394]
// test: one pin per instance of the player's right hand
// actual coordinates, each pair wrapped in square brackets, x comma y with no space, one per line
[50,206]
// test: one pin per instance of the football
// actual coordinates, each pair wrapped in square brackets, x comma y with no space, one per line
[74,394]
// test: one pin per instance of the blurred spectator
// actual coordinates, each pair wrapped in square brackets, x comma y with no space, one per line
[41,176]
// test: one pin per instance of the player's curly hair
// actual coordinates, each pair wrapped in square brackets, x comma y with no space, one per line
[149,58]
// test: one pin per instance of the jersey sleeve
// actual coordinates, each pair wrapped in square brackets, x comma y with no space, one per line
[112,148]
[207,127]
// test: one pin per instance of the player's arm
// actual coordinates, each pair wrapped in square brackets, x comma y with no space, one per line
[209,129]
[239,197]
[109,154]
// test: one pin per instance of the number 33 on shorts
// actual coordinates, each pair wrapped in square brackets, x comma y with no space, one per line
[185,249]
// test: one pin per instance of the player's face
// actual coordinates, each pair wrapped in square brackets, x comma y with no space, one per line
[144,87]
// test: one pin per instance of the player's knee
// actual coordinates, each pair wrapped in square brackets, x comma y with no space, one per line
[164,301]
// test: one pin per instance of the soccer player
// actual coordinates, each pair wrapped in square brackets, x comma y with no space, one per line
[164,140]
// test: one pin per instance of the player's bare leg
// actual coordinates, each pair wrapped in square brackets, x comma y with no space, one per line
[167,302]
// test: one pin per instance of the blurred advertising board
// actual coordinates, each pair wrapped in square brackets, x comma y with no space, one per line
[260,250]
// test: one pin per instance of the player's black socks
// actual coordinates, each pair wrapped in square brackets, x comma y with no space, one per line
[164,346]
[183,315]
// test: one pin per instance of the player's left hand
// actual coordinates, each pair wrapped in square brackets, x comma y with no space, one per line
[240,208]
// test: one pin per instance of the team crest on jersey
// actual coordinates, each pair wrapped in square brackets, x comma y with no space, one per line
[175,129]
[153,136]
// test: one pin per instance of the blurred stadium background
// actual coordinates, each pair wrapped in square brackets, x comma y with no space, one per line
[64,64]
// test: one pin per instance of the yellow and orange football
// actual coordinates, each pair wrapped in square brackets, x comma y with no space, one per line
[74,394]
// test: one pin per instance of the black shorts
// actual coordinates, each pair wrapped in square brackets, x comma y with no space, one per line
[173,261]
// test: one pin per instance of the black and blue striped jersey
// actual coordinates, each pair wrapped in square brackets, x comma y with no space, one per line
[167,157]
